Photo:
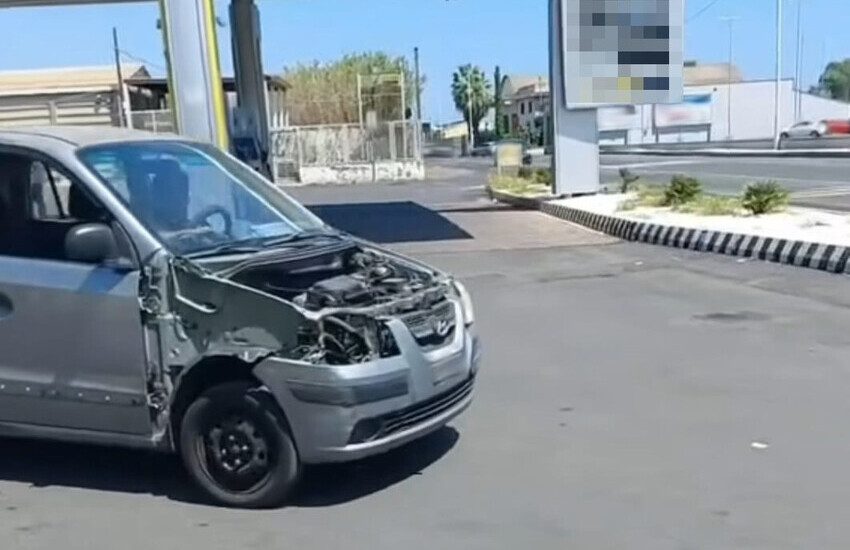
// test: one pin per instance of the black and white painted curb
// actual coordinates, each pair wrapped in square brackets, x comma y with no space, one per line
[831,258]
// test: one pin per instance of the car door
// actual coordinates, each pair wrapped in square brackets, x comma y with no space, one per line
[71,341]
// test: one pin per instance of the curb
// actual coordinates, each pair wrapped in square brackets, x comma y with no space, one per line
[526,203]
[823,257]
[768,153]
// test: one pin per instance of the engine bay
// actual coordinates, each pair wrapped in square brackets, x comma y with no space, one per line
[350,294]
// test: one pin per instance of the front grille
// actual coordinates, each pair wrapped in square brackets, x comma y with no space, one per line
[432,326]
[378,427]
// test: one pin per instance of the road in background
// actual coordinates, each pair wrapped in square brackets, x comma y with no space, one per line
[815,182]
[830,142]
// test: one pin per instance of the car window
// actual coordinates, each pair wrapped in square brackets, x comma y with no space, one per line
[39,204]
[194,197]
[49,192]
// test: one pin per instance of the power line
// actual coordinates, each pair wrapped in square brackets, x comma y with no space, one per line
[702,10]
[147,62]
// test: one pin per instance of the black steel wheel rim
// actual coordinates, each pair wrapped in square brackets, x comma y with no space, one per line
[236,452]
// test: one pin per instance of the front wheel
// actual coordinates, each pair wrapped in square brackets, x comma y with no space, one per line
[784,135]
[238,449]
[815,135]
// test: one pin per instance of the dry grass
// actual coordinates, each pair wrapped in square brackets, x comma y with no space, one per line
[519,186]
[652,196]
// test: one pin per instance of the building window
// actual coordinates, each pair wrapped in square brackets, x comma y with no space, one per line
[522,108]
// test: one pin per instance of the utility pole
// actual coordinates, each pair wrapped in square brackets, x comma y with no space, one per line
[777,108]
[731,21]
[469,109]
[798,76]
[122,104]
[418,85]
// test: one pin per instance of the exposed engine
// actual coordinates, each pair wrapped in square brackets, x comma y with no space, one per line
[353,293]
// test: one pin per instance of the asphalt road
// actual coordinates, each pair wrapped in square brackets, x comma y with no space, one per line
[631,397]
[822,183]
[813,182]
[827,142]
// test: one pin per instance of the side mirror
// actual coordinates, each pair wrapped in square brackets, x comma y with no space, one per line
[90,243]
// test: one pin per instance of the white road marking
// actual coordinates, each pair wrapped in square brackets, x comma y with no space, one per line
[649,164]
[822,192]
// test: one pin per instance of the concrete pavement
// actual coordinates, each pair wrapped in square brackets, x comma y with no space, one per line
[631,397]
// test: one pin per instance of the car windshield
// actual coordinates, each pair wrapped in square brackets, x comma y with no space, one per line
[197,199]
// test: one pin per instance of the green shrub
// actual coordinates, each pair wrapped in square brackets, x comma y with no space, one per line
[765,197]
[651,195]
[627,180]
[542,176]
[525,173]
[682,190]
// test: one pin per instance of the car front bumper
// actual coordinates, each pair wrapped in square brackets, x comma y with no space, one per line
[341,413]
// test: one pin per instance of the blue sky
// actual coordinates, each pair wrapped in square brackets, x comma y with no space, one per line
[510,33]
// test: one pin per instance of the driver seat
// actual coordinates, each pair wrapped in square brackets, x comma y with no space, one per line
[169,195]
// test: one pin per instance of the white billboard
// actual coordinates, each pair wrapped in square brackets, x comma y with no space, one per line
[694,110]
[622,52]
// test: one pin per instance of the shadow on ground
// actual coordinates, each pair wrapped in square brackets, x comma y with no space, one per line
[47,464]
[390,222]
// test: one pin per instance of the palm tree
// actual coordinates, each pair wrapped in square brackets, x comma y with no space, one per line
[471,91]
[835,80]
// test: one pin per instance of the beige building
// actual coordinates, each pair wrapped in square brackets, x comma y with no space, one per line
[73,95]
[526,105]
[92,96]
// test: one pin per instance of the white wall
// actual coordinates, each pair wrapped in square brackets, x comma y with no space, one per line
[752,113]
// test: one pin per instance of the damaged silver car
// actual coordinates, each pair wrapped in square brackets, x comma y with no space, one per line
[156,293]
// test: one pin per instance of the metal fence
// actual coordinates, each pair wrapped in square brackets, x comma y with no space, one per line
[296,147]
[159,121]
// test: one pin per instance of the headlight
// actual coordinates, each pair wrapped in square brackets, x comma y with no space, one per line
[465,303]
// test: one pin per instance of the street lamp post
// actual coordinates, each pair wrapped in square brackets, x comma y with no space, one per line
[777,91]
[731,21]
[798,104]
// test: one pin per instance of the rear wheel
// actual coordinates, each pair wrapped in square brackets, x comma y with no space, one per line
[784,135]
[815,134]
[238,449]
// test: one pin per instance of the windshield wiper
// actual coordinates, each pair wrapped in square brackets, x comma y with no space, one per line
[297,237]
[226,248]
[259,244]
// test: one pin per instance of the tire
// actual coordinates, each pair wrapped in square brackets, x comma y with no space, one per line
[784,135]
[815,135]
[238,449]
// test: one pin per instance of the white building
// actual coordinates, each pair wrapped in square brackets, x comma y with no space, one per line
[707,114]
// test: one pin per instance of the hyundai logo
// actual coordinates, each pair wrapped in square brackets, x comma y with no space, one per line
[442,327]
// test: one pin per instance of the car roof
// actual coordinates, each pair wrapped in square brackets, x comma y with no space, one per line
[79,136]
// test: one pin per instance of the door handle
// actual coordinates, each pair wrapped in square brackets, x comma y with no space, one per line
[6,307]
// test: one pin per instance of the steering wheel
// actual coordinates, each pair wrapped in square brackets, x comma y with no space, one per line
[202,218]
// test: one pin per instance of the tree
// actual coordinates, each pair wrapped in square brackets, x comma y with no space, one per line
[472,95]
[326,93]
[498,102]
[835,80]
